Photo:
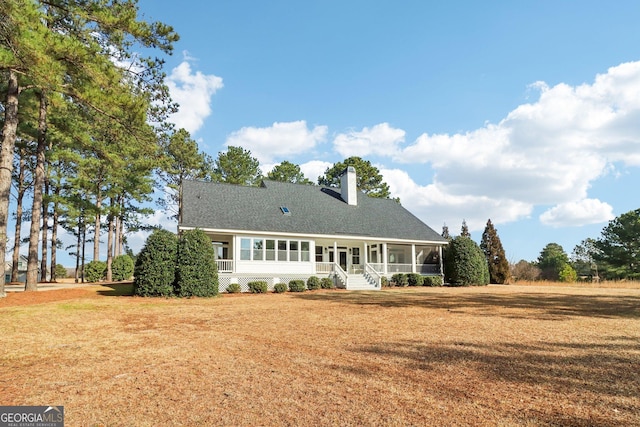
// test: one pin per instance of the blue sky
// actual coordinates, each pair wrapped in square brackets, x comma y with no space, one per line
[527,113]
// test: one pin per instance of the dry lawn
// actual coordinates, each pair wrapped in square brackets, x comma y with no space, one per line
[497,355]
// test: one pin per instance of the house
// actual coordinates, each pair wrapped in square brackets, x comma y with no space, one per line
[22,269]
[279,231]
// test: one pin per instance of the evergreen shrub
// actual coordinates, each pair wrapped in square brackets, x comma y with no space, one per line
[432,281]
[400,279]
[155,266]
[61,272]
[465,263]
[233,288]
[280,288]
[196,269]
[95,271]
[414,279]
[326,283]
[313,283]
[297,286]
[122,268]
[384,282]
[258,287]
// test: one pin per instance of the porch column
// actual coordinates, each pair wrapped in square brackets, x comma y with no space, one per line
[413,258]
[364,256]
[441,269]
[336,260]
[384,258]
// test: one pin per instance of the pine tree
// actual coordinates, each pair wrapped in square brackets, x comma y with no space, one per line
[445,232]
[494,252]
[465,229]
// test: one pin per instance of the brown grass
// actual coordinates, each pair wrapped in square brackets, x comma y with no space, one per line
[497,355]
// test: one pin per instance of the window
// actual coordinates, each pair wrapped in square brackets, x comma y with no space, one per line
[355,256]
[304,251]
[245,249]
[282,250]
[318,253]
[271,250]
[293,250]
[258,245]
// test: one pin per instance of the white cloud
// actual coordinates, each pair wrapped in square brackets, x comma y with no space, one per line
[193,92]
[279,141]
[545,152]
[314,169]
[381,139]
[582,212]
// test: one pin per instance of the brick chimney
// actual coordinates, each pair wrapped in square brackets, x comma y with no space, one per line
[348,189]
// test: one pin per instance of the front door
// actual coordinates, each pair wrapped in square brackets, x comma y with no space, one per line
[343,258]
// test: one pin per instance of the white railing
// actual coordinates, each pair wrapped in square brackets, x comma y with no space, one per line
[378,267]
[371,274]
[399,268]
[340,274]
[324,267]
[225,265]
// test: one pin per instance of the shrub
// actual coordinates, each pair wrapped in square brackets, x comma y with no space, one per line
[432,281]
[297,286]
[465,263]
[258,287]
[233,288]
[384,282]
[61,272]
[155,266]
[400,279]
[568,274]
[414,279]
[280,288]
[326,283]
[196,268]
[313,283]
[95,271]
[122,268]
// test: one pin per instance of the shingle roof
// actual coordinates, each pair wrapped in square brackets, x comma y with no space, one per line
[313,210]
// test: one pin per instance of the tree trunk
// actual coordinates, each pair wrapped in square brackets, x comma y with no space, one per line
[96,238]
[38,183]
[78,242]
[111,228]
[45,226]
[22,188]
[54,234]
[6,163]
[82,248]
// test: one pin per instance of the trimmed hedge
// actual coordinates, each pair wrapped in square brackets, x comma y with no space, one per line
[297,286]
[258,287]
[400,279]
[233,288]
[280,288]
[384,282]
[122,268]
[414,279]
[327,283]
[432,281]
[155,267]
[313,283]
[95,271]
[196,270]
[465,263]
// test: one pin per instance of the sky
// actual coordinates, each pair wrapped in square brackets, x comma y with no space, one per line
[526,113]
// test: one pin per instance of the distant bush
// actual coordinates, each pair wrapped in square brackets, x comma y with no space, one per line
[326,283]
[95,271]
[568,274]
[233,288]
[432,281]
[280,288]
[313,283]
[122,268]
[258,287]
[196,268]
[297,286]
[414,279]
[400,279]
[61,272]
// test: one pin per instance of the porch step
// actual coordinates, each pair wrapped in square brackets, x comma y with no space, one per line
[357,282]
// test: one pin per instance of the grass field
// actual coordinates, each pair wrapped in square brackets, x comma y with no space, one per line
[496,355]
